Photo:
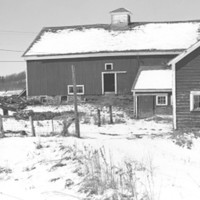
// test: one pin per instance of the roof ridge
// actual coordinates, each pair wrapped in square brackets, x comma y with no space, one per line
[108,25]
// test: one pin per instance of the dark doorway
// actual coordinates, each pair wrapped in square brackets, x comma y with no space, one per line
[145,106]
[109,82]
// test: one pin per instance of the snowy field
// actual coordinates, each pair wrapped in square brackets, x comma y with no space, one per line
[53,167]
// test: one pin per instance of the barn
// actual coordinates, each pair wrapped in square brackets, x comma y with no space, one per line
[108,58]
[186,88]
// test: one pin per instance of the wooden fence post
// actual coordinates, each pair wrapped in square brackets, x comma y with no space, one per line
[99,117]
[1,127]
[111,116]
[32,126]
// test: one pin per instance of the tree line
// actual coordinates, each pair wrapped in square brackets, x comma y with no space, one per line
[15,81]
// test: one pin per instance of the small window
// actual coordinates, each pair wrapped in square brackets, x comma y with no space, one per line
[79,89]
[161,100]
[63,99]
[109,66]
[195,101]
[43,99]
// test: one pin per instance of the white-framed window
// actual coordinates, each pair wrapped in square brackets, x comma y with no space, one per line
[195,101]
[79,89]
[108,66]
[161,100]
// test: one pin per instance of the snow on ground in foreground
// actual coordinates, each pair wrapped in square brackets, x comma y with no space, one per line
[175,169]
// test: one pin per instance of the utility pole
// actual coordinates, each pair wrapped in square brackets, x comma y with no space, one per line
[75,102]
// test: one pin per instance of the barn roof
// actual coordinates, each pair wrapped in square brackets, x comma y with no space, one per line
[153,78]
[101,38]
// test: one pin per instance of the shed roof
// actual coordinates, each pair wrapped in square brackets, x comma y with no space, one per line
[155,78]
[138,37]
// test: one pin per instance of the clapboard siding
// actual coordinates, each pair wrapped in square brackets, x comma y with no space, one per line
[51,77]
[187,80]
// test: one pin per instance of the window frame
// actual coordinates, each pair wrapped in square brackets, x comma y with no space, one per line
[78,93]
[192,94]
[166,100]
[43,99]
[108,64]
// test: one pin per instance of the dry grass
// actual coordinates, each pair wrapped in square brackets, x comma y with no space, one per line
[102,177]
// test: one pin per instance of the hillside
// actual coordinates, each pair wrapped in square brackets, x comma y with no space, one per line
[13,82]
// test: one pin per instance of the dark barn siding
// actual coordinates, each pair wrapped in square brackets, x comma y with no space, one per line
[51,77]
[157,109]
[187,79]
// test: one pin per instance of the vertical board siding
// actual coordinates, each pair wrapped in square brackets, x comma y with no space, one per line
[187,80]
[51,77]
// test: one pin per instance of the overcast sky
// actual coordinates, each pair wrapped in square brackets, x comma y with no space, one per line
[21,20]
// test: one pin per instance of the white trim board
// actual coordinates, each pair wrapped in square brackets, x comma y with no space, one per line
[90,55]
[184,53]
[174,95]
[26,71]
[151,94]
[152,90]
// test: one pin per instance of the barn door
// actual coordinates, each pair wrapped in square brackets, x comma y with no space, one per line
[109,82]
[145,106]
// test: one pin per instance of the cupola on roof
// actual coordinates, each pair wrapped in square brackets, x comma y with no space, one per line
[120,18]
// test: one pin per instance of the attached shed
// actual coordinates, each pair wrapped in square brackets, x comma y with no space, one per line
[152,90]
[186,88]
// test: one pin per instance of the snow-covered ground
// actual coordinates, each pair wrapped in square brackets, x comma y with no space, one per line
[30,167]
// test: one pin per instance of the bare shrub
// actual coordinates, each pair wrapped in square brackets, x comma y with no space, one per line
[5,170]
[101,176]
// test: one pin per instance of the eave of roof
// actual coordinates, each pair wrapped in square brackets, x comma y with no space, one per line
[101,54]
[184,53]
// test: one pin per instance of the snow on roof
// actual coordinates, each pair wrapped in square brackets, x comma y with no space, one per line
[153,78]
[139,37]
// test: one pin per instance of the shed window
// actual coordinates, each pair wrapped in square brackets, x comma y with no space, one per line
[161,100]
[195,101]
[79,89]
[109,66]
